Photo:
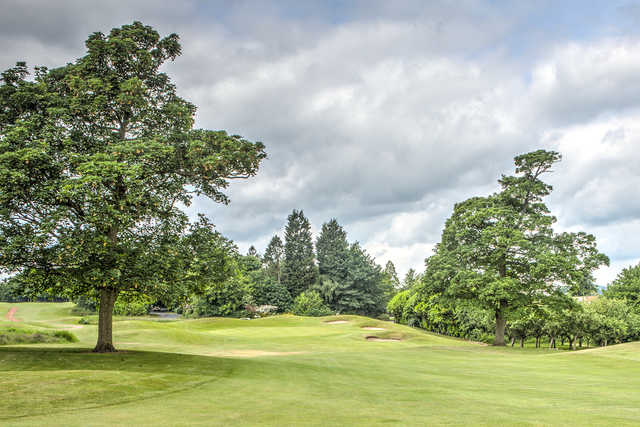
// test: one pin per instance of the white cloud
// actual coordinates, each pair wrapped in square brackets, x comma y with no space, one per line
[387,116]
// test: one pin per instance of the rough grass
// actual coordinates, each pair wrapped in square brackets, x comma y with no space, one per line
[11,335]
[288,370]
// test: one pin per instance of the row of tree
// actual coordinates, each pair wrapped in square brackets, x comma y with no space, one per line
[331,276]
[501,270]
[601,321]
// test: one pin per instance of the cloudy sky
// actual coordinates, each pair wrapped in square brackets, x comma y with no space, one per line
[383,114]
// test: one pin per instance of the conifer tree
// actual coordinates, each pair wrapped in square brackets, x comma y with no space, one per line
[273,257]
[332,249]
[299,271]
[392,275]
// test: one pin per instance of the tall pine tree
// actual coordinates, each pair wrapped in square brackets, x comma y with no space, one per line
[332,249]
[272,259]
[299,271]
[392,275]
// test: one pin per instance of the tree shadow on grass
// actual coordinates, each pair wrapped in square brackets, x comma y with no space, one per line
[43,381]
[78,359]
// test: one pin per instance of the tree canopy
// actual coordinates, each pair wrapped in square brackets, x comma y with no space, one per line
[272,259]
[96,158]
[299,271]
[626,286]
[502,252]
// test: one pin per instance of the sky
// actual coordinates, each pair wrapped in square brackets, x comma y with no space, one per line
[384,114]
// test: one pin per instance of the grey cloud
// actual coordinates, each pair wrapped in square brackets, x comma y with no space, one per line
[383,114]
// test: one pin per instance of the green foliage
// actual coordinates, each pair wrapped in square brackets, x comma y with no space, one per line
[410,279]
[299,271]
[391,275]
[250,263]
[273,259]
[137,305]
[270,293]
[384,316]
[350,281]
[227,298]
[364,290]
[95,159]
[10,291]
[611,321]
[86,304]
[626,286]
[501,251]
[13,335]
[310,303]
[396,306]
[332,250]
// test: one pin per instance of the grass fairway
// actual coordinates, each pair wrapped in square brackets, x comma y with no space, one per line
[303,371]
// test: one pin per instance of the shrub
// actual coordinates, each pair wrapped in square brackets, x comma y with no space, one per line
[132,306]
[229,298]
[310,303]
[270,293]
[384,316]
[396,306]
[66,336]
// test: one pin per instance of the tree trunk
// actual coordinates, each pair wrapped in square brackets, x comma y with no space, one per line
[552,342]
[537,342]
[605,342]
[501,323]
[105,321]
[574,345]
[513,341]
[521,342]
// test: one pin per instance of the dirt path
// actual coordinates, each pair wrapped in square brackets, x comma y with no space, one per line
[10,313]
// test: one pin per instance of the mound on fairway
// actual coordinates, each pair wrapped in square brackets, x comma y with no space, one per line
[288,370]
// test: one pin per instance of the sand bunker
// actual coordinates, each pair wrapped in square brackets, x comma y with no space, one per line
[336,322]
[377,339]
[371,328]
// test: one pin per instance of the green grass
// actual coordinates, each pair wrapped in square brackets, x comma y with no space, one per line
[289,370]
[11,335]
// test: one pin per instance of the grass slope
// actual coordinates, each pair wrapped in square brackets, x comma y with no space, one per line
[302,371]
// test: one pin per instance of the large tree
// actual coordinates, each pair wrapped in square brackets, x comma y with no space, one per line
[502,252]
[332,250]
[299,271]
[392,275]
[272,259]
[626,286]
[95,159]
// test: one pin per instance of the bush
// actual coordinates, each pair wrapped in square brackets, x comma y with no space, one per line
[310,303]
[228,298]
[384,316]
[132,306]
[272,294]
[126,305]
[396,306]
